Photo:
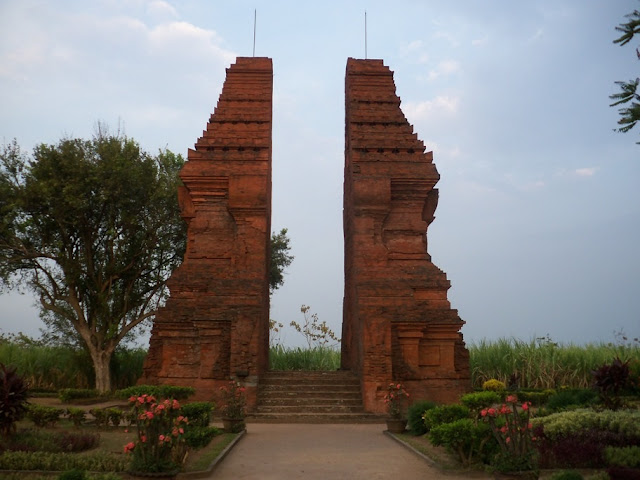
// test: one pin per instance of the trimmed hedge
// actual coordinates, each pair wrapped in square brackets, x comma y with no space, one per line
[158,391]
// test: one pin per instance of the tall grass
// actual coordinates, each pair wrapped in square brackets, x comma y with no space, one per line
[314,359]
[57,367]
[542,363]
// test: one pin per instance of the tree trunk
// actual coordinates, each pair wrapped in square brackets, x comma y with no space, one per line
[101,360]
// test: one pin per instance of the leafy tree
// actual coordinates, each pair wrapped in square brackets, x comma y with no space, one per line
[280,259]
[629,114]
[93,228]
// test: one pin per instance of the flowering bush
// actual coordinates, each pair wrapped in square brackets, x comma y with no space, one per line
[394,399]
[234,400]
[160,446]
[512,429]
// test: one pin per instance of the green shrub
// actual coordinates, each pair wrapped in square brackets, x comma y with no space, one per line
[158,391]
[76,415]
[624,422]
[623,456]
[199,436]
[74,474]
[536,397]
[27,440]
[67,395]
[463,437]
[58,462]
[43,416]
[478,400]
[493,385]
[101,417]
[198,413]
[567,475]
[414,416]
[571,398]
[13,399]
[444,414]
[114,416]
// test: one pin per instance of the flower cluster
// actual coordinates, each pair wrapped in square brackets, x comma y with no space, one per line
[160,446]
[234,400]
[394,398]
[512,429]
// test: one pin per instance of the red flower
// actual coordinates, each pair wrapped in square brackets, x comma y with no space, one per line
[129,447]
[525,406]
[511,399]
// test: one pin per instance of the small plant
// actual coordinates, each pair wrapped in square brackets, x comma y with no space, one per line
[160,440]
[476,401]
[67,395]
[444,414]
[198,413]
[158,391]
[114,416]
[101,417]
[199,437]
[76,415]
[571,398]
[395,398]
[512,429]
[567,475]
[610,380]
[494,385]
[234,401]
[463,436]
[13,399]
[316,333]
[623,456]
[74,474]
[414,416]
[43,416]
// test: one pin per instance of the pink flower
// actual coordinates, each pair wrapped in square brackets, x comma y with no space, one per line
[511,399]
[483,412]
[129,447]
[126,430]
[504,429]
[174,432]
[140,400]
[508,440]
[492,412]
[181,430]
[132,398]
[149,415]
[143,438]
[161,438]
[525,406]
[176,405]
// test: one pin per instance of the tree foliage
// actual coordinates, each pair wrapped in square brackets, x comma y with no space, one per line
[628,95]
[281,258]
[93,228]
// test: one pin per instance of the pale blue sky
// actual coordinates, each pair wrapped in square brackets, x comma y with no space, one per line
[539,216]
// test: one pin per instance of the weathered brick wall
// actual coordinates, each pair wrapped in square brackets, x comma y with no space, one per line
[215,324]
[398,324]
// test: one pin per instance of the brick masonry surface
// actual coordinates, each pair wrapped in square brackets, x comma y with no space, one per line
[215,324]
[398,325]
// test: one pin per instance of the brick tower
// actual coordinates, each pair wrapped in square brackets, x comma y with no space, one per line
[215,325]
[398,325]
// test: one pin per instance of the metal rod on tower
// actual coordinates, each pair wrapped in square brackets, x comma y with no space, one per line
[365,34]
[255,17]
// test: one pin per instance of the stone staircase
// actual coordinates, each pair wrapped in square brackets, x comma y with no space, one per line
[311,397]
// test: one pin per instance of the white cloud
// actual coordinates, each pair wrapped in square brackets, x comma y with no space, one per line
[443,104]
[480,42]
[586,172]
[444,68]
[161,9]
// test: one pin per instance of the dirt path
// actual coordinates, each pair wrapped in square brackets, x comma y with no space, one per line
[346,451]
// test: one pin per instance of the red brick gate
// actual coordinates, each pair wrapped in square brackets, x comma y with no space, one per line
[398,324]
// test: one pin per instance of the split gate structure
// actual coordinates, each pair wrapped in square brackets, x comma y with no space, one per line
[398,325]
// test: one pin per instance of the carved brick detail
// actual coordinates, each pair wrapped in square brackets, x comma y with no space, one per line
[215,324]
[398,324]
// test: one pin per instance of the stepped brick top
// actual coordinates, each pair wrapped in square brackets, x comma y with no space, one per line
[215,323]
[398,324]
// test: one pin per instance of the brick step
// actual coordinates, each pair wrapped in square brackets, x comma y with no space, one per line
[306,409]
[315,418]
[274,388]
[320,393]
[310,401]
[309,378]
